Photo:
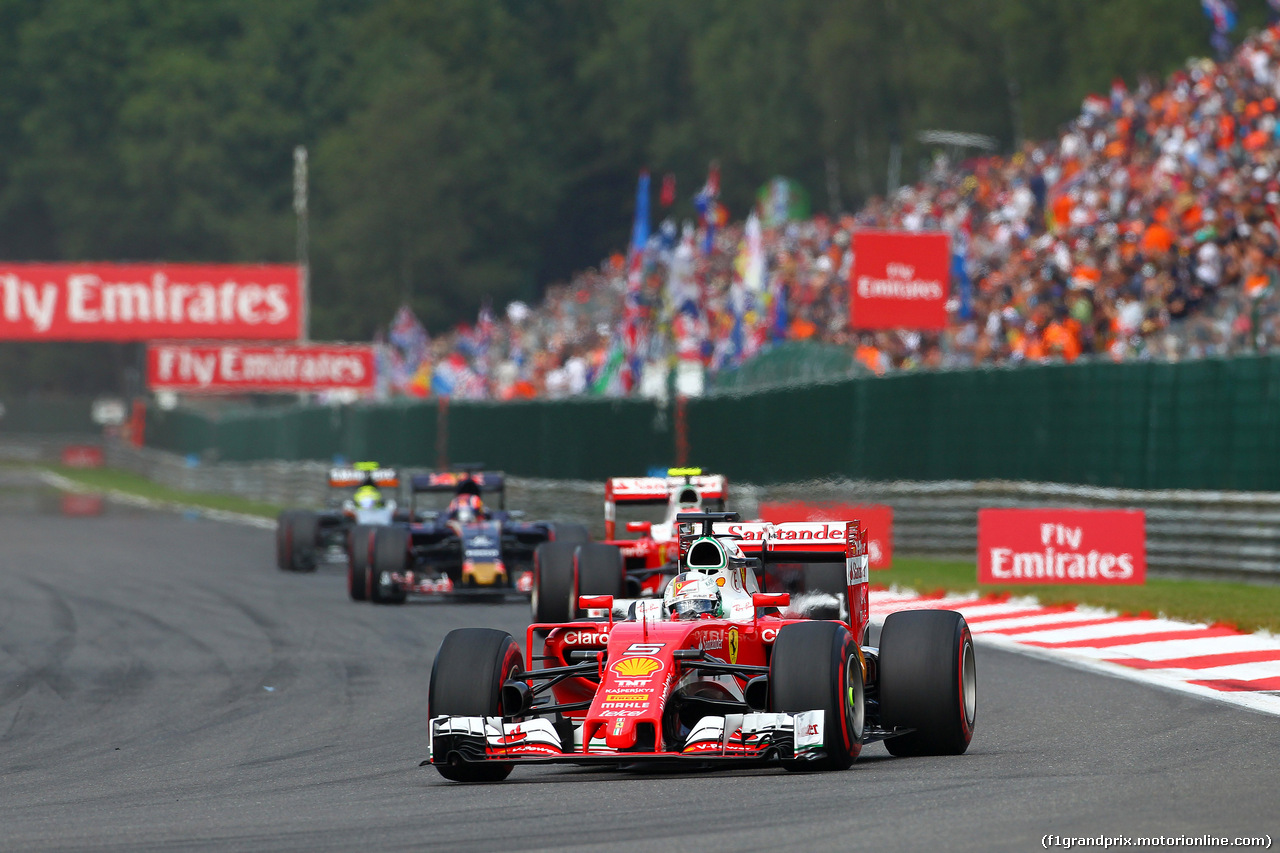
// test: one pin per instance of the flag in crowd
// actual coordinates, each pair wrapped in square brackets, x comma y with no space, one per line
[707,202]
[1222,13]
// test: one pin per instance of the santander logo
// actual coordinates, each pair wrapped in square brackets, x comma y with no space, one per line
[795,531]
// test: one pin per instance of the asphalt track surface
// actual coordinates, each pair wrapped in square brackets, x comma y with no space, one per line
[163,687]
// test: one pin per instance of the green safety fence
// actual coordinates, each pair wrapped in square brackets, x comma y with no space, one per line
[1209,424]
[790,362]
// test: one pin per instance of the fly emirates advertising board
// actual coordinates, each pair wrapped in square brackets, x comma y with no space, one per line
[1061,546]
[225,368]
[142,302]
[899,280]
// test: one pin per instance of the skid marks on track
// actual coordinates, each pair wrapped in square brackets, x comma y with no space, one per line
[43,662]
[281,670]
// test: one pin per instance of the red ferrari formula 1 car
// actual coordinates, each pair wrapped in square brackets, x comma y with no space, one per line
[637,567]
[713,672]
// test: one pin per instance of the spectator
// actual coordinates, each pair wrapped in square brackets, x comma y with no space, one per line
[1147,229]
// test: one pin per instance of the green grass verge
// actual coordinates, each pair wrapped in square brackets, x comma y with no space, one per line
[136,484]
[1243,605]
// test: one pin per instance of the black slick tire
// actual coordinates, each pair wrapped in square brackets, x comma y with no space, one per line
[390,552]
[928,682]
[599,571]
[551,600]
[284,540]
[818,666]
[359,545]
[304,529]
[466,681]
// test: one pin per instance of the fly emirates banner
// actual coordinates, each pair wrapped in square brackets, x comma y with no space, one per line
[899,280]
[1042,546]
[220,368]
[141,302]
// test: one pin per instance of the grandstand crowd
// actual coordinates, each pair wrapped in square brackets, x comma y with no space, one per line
[1147,229]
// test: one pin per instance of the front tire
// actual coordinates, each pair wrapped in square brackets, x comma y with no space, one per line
[304,531]
[466,681]
[390,553]
[284,540]
[818,666]
[928,682]
[358,549]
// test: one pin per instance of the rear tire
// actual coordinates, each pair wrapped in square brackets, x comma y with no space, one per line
[817,666]
[390,552]
[599,571]
[304,529]
[284,540]
[551,600]
[466,681]
[928,682]
[359,545]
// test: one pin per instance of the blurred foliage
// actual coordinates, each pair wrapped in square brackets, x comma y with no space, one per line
[472,149]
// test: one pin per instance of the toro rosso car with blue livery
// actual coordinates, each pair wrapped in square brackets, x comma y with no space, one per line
[635,567]
[466,548]
[714,672]
[361,496]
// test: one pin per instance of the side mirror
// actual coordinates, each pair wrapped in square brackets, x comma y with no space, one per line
[644,527]
[771,599]
[596,602]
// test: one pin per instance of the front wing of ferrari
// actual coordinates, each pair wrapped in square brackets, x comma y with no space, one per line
[733,737]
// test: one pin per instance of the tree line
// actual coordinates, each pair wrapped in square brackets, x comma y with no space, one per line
[472,149]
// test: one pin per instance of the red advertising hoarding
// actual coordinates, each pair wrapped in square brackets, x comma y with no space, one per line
[257,368]
[899,280]
[1067,546]
[142,302]
[83,456]
[876,519]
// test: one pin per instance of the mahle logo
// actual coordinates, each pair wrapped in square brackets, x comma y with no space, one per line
[636,667]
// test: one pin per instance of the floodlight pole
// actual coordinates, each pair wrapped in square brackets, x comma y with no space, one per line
[304,262]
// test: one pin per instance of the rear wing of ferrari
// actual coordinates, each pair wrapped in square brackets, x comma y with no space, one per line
[349,477]
[793,542]
[653,491]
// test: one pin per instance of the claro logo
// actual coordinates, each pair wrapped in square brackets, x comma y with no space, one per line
[585,638]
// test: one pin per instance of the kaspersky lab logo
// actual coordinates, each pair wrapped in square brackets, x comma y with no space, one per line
[636,667]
